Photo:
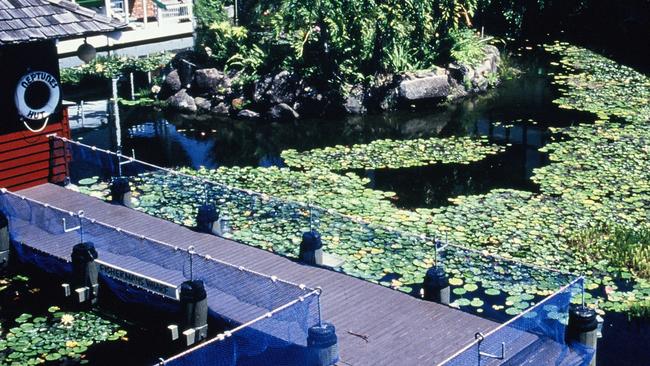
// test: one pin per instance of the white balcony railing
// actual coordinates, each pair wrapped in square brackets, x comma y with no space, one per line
[174,12]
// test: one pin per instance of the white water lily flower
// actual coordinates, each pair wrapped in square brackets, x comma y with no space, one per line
[67,320]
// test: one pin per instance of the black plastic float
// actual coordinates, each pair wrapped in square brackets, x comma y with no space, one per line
[85,274]
[5,242]
[583,328]
[436,285]
[194,317]
[311,248]
[206,218]
[121,191]
[322,345]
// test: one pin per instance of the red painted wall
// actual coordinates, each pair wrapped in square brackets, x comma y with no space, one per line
[28,159]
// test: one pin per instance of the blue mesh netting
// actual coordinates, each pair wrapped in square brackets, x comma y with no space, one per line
[252,344]
[535,337]
[235,294]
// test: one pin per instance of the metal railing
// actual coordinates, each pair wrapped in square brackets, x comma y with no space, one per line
[174,12]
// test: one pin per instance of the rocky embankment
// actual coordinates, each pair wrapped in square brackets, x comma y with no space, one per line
[285,96]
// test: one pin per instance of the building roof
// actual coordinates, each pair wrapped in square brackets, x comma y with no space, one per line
[32,20]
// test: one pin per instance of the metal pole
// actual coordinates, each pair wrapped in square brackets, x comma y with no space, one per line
[116,114]
[320,314]
[190,251]
[82,110]
[236,15]
[132,83]
[145,15]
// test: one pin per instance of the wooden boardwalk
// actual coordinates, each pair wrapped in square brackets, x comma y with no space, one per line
[399,329]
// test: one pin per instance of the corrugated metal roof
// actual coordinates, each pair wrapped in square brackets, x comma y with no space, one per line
[32,20]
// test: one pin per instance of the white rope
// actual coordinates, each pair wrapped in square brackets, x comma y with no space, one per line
[38,129]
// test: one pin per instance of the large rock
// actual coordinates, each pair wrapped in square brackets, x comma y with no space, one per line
[209,80]
[425,86]
[221,109]
[182,102]
[171,85]
[354,102]
[310,102]
[467,79]
[202,104]
[248,114]
[281,88]
[282,112]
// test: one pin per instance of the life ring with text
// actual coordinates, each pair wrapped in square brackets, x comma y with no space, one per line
[37,96]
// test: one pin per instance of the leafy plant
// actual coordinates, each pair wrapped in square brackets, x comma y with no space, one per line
[107,67]
[467,47]
[620,246]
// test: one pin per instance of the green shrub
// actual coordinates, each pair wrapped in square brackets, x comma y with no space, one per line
[468,48]
[340,41]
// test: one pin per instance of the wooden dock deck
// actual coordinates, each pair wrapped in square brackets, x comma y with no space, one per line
[399,329]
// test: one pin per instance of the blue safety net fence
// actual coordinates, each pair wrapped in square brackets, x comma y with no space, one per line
[534,337]
[246,346]
[140,269]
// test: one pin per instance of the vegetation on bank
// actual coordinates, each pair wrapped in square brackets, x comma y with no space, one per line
[337,42]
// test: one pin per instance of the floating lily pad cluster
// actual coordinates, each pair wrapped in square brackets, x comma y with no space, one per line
[593,83]
[57,337]
[393,154]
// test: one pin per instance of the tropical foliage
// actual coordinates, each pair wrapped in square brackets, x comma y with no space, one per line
[107,67]
[338,41]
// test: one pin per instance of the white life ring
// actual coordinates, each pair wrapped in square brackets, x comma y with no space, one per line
[41,112]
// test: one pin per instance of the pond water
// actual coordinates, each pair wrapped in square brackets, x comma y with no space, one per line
[517,115]
[27,292]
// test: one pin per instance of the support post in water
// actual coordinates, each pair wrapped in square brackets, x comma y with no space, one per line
[583,328]
[85,273]
[322,345]
[436,285]
[208,216]
[311,248]
[121,191]
[194,307]
[5,242]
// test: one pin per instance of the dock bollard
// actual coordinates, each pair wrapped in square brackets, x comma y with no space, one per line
[583,328]
[121,191]
[206,219]
[194,305]
[436,285]
[322,345]
[5,241]
[84,272]
[311,248]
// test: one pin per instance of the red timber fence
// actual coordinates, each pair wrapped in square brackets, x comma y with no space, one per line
[28,159]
